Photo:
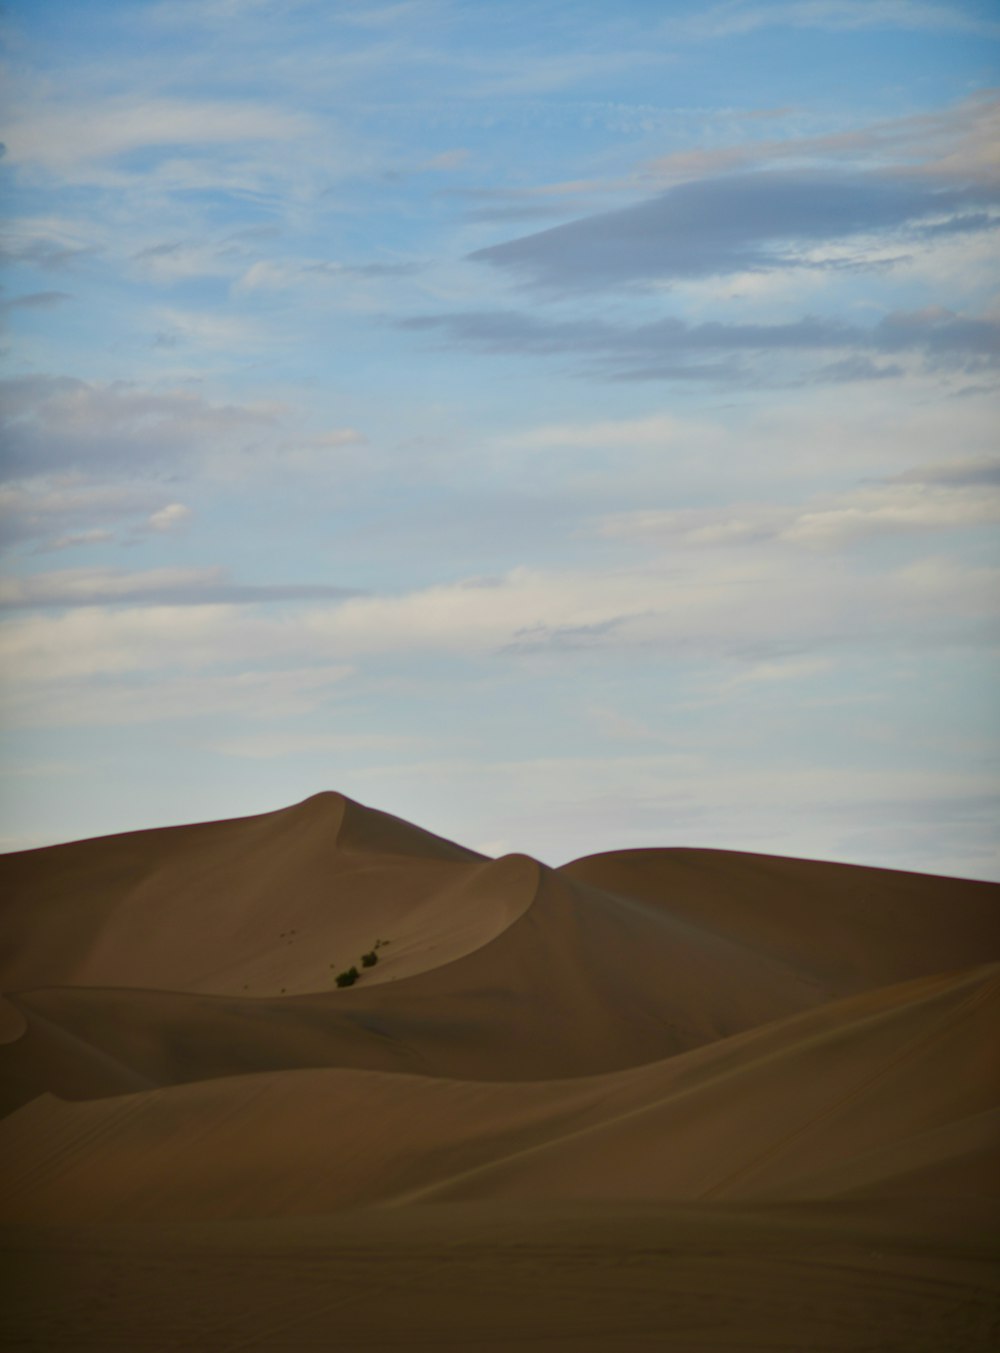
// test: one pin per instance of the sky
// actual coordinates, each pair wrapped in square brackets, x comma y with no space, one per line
[568,426]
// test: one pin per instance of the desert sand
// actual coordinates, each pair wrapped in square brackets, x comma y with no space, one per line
[658,1099]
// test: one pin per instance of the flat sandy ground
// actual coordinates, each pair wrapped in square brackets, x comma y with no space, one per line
[677,1099]
[491,1278]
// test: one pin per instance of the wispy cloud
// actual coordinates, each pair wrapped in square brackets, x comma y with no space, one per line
[66,511]
[253,694]
[780,671]
[305,273]
[36,300]
[673,349]
[68,136]
[80,539]
[169,517]
[745,16]
[51,243]
[910,505]
[58,424]
[164,586]
[957,143]
[722,608]
[85,458]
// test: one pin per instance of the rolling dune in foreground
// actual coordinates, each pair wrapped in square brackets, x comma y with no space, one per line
[681,1099]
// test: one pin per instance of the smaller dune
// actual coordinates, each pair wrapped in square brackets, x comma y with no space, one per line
[803,1108]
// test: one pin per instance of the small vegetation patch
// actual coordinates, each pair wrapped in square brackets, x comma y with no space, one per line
[351,974]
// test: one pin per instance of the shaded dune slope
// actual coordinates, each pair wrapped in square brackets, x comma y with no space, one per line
[891,1093]
[852,926]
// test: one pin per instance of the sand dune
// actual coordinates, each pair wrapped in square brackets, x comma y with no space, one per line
[580,983]
[491,970]
[634,1035]
[761,1116]
[280,900]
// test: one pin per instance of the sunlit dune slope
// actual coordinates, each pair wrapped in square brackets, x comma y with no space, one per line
[277,902]
[848,1098]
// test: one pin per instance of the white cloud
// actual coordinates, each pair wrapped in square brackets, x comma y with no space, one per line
[786,669]
[73,701]
[91,641]
[894,509]
[832,522]
[65,136]
[214,330]
[817,439]
[36,508]
[656,430]
[268,275]
[169,518]
[96,536]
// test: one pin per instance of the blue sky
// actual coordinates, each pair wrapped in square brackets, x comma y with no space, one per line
[568,426]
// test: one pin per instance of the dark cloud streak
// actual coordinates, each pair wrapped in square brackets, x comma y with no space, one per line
[671,348]
[740,222]
[36,300]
